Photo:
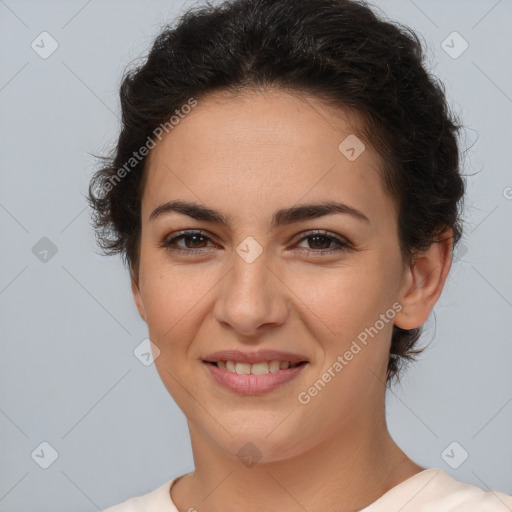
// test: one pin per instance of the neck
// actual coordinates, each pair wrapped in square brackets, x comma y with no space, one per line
[348,470]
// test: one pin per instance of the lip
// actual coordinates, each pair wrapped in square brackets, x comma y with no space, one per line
[258,356]
[252,384]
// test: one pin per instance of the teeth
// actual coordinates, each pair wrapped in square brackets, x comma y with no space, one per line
[274,366]
[256,368]
[263,368]
[243,368]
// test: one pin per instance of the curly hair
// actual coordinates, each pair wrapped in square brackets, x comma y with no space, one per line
[338,51]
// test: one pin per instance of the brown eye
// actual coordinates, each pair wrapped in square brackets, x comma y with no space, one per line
[324,243]
[194,241]
[197,241]
[319,240]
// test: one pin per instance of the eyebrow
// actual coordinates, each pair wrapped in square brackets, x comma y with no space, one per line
[281,217]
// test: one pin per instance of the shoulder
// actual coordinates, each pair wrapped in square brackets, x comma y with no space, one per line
[157,500]
[451,494]
[434,490]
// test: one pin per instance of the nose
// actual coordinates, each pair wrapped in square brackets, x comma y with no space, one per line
[252,298]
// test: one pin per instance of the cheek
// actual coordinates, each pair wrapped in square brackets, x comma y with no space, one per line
[168,302]
[173,295]
[343,309]
[343,299]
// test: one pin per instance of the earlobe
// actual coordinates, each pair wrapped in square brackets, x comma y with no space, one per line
[424,282]
[138,298]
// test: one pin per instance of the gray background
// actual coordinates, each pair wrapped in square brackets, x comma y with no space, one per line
[68,325]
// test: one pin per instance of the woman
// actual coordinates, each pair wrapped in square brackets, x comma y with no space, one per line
[286,194]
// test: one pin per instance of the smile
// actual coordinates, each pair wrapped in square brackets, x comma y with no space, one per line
[260,368]
[253,379]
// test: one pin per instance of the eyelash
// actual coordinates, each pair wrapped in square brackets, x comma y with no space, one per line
[342,245]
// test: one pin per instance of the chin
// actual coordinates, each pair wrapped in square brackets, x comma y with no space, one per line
[268,443]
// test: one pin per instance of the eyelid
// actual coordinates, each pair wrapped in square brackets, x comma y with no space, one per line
[327,234]
[341,243]
[183,234]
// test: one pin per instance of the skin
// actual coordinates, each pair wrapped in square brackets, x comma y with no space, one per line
[248,156]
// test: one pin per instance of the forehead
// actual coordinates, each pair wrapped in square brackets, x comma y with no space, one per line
[270,145]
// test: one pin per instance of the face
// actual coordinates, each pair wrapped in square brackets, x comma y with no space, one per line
[311,284]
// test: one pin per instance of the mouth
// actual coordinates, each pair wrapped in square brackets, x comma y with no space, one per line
[260,368]
[253,379]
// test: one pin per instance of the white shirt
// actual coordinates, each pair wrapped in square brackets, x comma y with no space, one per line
[431,490]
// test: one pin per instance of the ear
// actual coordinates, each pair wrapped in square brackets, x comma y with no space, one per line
[424,281]
[138,297]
